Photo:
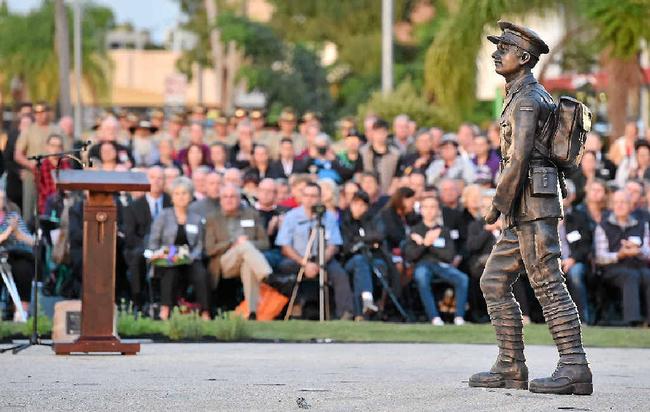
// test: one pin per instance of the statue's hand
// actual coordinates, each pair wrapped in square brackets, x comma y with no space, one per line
[492,215]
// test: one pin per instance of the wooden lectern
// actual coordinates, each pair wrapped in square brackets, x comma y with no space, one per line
[99,248]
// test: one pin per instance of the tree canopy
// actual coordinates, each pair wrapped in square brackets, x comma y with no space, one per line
[27,50]
[616,26]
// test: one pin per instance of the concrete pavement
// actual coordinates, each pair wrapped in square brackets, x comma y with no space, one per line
[238,377]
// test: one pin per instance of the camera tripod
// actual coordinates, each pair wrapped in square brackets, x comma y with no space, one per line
[367,253]
[317,234]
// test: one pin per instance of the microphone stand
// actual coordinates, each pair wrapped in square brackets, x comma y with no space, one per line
[35,339]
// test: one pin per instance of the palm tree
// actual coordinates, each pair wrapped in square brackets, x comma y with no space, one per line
[617,25]
[28,52]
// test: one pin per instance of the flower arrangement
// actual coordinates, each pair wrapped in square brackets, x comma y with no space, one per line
[173,255]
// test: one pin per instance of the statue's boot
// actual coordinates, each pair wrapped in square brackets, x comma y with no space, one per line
[568,379]
[572,375]
[509,371]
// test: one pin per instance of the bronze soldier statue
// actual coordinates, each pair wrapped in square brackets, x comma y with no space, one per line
[528,199]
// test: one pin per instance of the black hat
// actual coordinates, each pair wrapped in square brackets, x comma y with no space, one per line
[144,124]
[641,143]
[520,36]
[361,195]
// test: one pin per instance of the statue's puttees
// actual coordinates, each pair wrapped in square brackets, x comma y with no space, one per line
[528,199]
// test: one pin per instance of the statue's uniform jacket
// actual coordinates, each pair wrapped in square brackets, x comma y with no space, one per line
[526,109]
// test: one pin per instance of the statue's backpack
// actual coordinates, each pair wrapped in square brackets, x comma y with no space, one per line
[565,132]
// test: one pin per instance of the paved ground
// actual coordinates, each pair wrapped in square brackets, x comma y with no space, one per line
[242,377]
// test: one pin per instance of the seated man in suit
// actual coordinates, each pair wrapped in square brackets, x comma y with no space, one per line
[137,224]
[234,240]
[286,164]
[622,246]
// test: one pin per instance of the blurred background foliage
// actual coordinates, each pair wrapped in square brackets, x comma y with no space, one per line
[435,52]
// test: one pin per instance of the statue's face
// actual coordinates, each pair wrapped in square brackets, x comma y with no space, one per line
[506,60]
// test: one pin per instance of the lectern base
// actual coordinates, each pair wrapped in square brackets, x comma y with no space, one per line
[95,345]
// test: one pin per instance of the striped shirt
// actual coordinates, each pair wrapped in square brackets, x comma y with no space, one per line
[12,242]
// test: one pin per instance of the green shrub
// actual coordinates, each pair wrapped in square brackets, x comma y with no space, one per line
[44,326]
[405,99]
[133,324]
[185,326]
[230,327]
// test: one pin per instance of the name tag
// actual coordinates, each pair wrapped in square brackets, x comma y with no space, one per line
[454,234]
[247,223]
[635,239]
[439,243]
[573,236]
[192,229]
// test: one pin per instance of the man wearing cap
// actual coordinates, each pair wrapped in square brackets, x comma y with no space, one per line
[220,132]
[287,125]
[176,132]
[143,148]
[450,164]
[259,123]
[198,115]
[158,119]
[32,141]
[530,239]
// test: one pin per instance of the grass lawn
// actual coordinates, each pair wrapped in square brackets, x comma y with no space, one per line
[231,328]
[423,333]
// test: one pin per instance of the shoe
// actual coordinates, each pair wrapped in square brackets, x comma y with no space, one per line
[568,379]
[252,316]
[437,322]
[369,306]
[18,318]
[504,374]
[359,318]
[459,321]
[347,316]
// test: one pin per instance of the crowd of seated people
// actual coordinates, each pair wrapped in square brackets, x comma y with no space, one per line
[232,204]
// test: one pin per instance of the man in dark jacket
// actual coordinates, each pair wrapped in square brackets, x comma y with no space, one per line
[530,237]
[361,236]
[576,246]
[622,249]
[431,249]
[137,224]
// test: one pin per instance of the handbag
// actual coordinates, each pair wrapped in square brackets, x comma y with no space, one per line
[270,306]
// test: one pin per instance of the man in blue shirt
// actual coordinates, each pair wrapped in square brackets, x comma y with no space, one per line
[293,237]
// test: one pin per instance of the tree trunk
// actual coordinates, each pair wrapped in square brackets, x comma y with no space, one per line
[62,47]
[623,81]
